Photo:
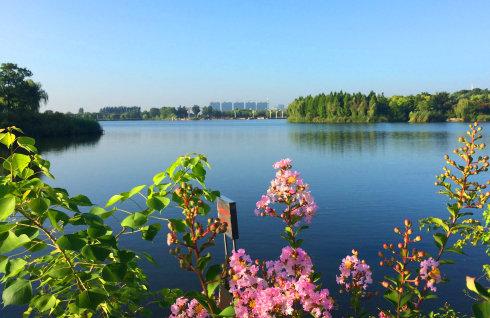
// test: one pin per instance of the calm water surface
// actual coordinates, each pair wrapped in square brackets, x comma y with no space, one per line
[365,179]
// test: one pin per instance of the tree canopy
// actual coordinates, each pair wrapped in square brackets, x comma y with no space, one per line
[18,92]
[465,105]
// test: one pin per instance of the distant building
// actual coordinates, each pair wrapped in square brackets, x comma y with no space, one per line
[262,105]
[226,106]
[251,105]
[215,105]
[280,106]
[238,105]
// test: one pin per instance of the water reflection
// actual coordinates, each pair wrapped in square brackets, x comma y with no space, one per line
[62,144]
[362,141]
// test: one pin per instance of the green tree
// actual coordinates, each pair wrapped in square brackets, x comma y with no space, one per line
[154,112]
[195,110]
[17,91]
[466,109]
[373,108]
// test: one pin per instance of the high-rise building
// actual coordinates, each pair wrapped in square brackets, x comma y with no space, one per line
[215,105]
[238,105]
[280,106]
[251,105]
[226,106]
[262,105]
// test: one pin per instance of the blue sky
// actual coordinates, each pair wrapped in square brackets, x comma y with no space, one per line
[153,53]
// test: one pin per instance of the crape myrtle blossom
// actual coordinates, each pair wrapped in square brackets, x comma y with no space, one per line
[355,274]
[285,288]
[287,188]
[185,308]
[429,271]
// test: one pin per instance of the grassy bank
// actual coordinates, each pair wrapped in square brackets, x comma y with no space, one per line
[50,124]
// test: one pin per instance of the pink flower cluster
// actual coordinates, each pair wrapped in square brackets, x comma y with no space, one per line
[285,288]
[429,271]
[287,188]
[185,308]
[354,273]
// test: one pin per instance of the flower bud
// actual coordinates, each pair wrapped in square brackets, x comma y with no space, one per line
[171,238]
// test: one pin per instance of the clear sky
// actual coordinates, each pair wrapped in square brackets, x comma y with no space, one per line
[154,53]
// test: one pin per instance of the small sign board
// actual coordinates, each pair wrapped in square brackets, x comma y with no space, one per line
[227,214]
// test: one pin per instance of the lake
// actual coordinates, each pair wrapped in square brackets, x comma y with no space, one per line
[365,178]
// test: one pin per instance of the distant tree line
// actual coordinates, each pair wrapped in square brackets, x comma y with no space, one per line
[172,113]
[464,105]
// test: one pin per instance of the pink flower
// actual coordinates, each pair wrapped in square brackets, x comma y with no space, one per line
[282,164]
[284,288]
[429,271]
[185,308]
[354,274]
[382,314]
[288,189]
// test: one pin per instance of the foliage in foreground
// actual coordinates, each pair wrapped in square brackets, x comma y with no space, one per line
[59,257]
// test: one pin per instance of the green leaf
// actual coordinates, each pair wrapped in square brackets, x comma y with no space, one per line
[60,271]
[475,287]
[482,310]
[440,239]
[405,298]
[71,242]
[27,143]
[150,258]
[39,205]
[212,287]
[227,312]
[56,217]
[45,302]
[23,140]
[134,220]
[115,198]
[159,177]
[157,203]
[455,250]
[7,139]
[95,252]
[392,296]
[7,207]
[135,190]
[114,272]
[9,241]
[439,223]
[18,293]
[81,200]
[213,272]
[446,261]
[178,225]
[17,162]
[3,263]
[149,232]
[14,267]
[91,298]
[199,171]
[169,296]
[96,231]
[101,212]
